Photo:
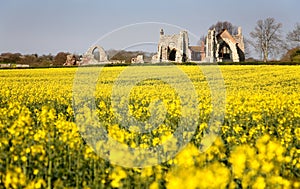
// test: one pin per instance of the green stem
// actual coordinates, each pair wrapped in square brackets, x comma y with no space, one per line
[49,174]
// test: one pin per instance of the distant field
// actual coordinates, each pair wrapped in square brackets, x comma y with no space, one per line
[258,145]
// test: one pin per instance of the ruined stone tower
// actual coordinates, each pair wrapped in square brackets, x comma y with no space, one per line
[172,48]
[224,47]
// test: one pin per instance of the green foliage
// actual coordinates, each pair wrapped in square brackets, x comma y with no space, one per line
[293,55]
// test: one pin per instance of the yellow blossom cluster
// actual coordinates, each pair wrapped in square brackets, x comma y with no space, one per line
[258,143]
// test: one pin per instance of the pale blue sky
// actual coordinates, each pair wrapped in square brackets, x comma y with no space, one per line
[37,26]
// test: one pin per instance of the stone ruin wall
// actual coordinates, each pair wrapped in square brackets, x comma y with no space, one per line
[178,43]
[213,45]
[171,43]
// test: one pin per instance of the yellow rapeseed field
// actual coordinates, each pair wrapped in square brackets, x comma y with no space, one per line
[257,146]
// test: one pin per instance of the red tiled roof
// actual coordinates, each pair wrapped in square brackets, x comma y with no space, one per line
[195,48]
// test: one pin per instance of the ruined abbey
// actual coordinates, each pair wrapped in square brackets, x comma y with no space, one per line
[221,47]
[217,47]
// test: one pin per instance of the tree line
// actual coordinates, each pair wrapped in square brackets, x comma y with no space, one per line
[34,60]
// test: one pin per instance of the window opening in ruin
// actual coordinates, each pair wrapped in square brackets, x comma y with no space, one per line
[184,57]
[96,54]
[225,52]
[172,55]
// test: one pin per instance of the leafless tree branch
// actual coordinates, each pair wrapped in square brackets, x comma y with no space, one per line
[267,38]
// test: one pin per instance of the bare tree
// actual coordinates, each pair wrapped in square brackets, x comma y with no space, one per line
[220,25]
[294,36]
[267,36]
